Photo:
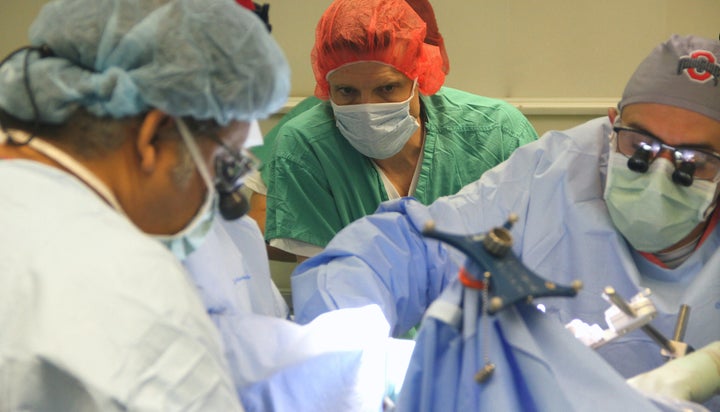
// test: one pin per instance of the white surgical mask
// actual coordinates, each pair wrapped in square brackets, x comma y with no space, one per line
[650,210]
[188,239]
[377,130]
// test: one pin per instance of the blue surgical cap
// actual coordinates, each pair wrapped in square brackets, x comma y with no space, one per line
[206,59]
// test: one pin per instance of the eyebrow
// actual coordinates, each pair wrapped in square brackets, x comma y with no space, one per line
[392,77]
[342,86]
[698,146]
[392,83]
[383,78]
[379,83]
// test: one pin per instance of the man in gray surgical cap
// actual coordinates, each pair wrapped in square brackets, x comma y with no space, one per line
[627,200]
[122,133]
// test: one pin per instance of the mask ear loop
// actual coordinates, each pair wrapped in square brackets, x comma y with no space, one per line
[204,175]
[196,155]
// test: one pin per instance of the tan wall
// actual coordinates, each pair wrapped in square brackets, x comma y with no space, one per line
[568,58]
[571,54]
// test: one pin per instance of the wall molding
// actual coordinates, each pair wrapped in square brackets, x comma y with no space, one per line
[542,106]
[563,106]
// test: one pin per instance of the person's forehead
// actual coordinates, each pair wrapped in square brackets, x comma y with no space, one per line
[365,72]
[674,125]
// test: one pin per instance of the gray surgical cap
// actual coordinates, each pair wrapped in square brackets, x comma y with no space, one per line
[683,72]
[206,59]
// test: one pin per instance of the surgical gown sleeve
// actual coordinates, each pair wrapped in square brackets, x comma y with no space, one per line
[338,362]
[385,260]
[231,272]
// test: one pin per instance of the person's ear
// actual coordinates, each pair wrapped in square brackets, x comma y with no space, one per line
[145,143]
[612,114]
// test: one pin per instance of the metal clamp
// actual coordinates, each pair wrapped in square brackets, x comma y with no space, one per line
[624,316]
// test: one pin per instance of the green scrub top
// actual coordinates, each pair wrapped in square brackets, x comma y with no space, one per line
[264,151]
[318,183]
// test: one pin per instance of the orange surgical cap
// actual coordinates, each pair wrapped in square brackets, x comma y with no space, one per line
[424,9]
[386,31]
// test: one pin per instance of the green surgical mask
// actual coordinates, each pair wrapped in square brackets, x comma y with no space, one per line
[649,209]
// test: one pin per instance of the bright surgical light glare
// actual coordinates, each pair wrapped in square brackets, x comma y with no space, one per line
[255,136]
[541,307]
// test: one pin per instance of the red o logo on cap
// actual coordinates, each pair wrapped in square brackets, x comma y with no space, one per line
[703,74]
[700,66]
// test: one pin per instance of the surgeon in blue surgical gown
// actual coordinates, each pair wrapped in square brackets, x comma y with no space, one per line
[627,200]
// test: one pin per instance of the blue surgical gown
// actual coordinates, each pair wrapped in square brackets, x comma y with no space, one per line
[564,233]
[337,362]
[537,363]
[232,273]
[95,314]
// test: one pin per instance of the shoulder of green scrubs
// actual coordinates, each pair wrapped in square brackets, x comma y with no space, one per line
[264,151]
[466,135]
[317,182]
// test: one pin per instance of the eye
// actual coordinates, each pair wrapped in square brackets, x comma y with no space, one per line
[388,89]
[705,165]
[345,91]
[392,91]
[645,142]
[629,142]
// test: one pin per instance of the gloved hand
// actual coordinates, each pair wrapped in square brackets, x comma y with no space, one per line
[695,377]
